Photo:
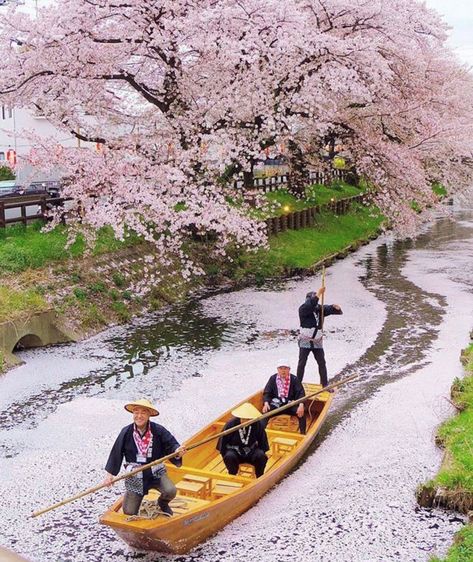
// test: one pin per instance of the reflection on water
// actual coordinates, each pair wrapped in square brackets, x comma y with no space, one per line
[179,331]
[413,315]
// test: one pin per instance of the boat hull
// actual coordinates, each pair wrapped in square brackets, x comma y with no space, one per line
[181,533]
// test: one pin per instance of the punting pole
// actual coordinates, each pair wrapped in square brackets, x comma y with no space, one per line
[193,446]
[322,301]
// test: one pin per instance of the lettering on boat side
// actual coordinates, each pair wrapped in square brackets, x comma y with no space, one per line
[196,518]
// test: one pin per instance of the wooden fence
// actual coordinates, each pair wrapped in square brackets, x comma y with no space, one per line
[306,217]
[273,183]
[22,203]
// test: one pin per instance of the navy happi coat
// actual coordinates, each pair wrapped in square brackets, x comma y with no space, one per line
[164,443]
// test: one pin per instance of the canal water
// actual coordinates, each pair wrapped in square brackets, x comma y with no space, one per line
[407,314]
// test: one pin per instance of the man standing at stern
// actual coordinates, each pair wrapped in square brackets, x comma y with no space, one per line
[311,317]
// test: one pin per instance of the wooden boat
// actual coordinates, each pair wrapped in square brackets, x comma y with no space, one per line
[208,497]
[9,556]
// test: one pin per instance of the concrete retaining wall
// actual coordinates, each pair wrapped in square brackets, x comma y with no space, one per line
[34,331]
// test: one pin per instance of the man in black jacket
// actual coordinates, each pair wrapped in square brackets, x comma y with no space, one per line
[310,317]
[282,388]
[247,445]
[141,443]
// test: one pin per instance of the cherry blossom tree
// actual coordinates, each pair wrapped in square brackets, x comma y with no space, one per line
[158,86]
[175,91]
[378,77]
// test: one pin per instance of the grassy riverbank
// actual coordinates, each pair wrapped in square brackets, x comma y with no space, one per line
[29,248]
[301,249]
[455,478]
[282,201]
[23,248]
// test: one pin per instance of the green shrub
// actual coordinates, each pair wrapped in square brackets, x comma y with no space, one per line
[439,189]
[118,279]
[80,294]
[6,173]
[114,294]
[121,310]
[97,287]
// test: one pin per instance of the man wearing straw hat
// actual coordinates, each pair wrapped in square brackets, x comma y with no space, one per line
[247,445]
[140,443]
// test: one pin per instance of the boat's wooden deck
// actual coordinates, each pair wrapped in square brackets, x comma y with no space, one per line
[205,479]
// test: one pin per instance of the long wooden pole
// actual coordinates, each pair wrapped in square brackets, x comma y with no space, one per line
[193,446]
[322,301]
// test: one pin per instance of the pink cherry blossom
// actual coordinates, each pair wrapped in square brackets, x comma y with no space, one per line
[175,91]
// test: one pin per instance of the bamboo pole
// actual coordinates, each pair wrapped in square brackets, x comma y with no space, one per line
[193,446]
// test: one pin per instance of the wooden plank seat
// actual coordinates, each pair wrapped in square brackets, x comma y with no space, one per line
[204,480]
[177,473]
[191,488]
[282,445]
[246,469]
[223,488]
[284,423]
[216,464]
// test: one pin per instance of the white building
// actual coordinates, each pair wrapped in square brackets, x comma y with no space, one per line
[14,123]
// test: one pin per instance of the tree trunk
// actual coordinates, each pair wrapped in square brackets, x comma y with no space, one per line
[248,180]
[298,172]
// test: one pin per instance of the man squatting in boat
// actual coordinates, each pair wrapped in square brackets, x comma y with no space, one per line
[140,443]
[247,445]
[282,388]
[310,322]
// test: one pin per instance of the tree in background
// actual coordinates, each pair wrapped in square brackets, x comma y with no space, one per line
[174,92]
[377,78]
[6,173]
[164,89]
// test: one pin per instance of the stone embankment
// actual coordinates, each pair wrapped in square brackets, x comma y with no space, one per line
[37,330]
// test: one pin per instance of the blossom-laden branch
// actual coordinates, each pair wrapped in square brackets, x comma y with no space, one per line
[177,91]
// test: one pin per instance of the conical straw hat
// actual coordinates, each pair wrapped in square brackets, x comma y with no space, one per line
[143,403]
[246,411]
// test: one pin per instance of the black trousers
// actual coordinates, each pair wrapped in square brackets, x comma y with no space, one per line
[257,458]
[290,412]
[319,357]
